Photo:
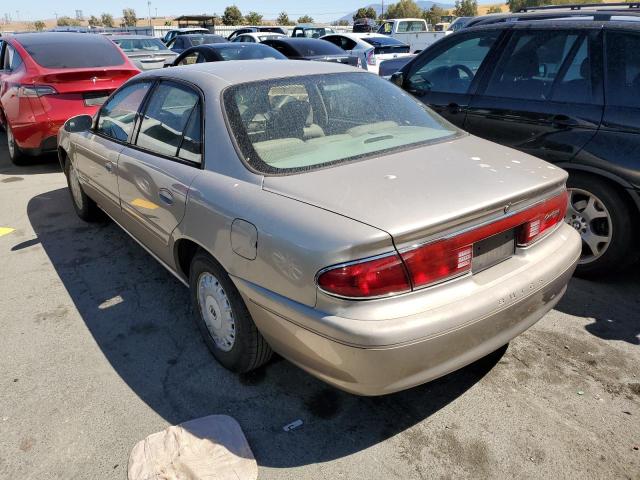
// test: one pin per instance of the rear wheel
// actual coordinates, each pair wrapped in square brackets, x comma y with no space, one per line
[15,154]
[84,206]
[604,220]
[223,318]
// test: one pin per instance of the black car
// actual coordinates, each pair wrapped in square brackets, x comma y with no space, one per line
[567,91]
[311,49]
[218,52]
[242,30]
[180,43]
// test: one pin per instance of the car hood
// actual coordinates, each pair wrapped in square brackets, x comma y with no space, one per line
[420,192]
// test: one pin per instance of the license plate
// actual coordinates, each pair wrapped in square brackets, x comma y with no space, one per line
[92,99]
[493,250]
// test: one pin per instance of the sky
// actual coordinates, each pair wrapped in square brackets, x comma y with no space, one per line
[324,10]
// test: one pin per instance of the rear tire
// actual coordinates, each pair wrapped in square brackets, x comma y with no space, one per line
[15,154]
[605,222]
[223,318]
[84,206]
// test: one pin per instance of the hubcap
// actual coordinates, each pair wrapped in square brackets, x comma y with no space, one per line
[74,183]
[11,144]
[216,311]
[589,216]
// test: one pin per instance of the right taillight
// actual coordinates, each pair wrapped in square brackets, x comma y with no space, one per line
[543,218]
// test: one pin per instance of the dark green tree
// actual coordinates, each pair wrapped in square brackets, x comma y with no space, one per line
[232,16]
[404,9]
[466,8]
[283,19]
[107,20]
[434,14]
[253,18]
[365,12]
[305,19]
[129,17]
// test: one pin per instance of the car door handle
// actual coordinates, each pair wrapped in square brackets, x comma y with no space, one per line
[563,121]
[166,196]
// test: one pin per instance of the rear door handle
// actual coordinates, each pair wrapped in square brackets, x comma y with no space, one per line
[165,196]
[564,121]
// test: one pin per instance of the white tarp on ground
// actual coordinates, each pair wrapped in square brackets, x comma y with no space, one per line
[211,448]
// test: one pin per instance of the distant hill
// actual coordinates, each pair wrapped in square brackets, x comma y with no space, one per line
[423,4]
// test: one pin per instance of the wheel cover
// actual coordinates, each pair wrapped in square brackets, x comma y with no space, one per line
[74,184]
[589,216]
[216,311]
[11,143]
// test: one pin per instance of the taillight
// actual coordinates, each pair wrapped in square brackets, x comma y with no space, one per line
[366,279]
[36,90]
[440,260]
[371,58]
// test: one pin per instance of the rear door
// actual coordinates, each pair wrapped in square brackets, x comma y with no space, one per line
[445,76]
[96,152]
[11,70]
[156,170]
[545,95]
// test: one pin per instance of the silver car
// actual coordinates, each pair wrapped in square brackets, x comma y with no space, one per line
[319,211]
[147,53]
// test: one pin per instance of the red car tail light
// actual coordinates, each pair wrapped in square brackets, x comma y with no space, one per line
[439,260]
[36,90]
[371,58]
[366,279]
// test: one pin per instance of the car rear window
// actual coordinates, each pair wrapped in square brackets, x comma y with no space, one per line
[384,45]
[71,50]
[320,47]
[144,44]
[304,123]
[250,52]
[205,39]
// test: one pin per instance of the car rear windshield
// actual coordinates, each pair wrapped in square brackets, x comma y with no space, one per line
[250,52]
[72,50]
[204,39]
[304,123]
[144,44]
[313,48]
[384,45]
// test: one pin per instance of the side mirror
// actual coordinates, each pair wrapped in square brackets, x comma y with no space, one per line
[397,78]
[80,123]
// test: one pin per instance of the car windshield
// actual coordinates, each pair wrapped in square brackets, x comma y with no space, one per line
[250,52]
[268,36]
[203,39]
[69,50]
[143,44]
[305,123]
[314,32]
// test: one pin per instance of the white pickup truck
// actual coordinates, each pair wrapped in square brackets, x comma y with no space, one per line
[412,31]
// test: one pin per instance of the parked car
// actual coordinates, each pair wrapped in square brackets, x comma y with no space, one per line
[48,77]
[311,31]
[458,24]
[262,29]
[387,68]
[171,34]
[365,25]
[256,37]
[411,31]
[182,42]
[564,91]
[146,53]
[379,250]
[312,49]
[371,48]
[218,52]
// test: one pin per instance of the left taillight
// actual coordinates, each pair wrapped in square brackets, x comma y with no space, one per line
[36,90]
[371,58]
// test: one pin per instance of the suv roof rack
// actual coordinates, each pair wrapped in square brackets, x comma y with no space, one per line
[584,6]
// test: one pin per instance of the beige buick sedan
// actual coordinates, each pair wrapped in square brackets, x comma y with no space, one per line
[320,212]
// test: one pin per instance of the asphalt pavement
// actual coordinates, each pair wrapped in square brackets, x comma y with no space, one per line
[98,349]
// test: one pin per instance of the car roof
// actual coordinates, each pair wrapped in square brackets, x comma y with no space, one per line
[296,40]
[132,37]
[222,74]
[26,39]
[222,46]
[202,34]
[554,23]
[188,29]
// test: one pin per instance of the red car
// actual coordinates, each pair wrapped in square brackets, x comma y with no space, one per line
[47,78]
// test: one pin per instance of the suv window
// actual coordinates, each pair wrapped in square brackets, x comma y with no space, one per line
[574,84]
[453,70]
[531,63]
[166,118]
[623,69]
[118,114]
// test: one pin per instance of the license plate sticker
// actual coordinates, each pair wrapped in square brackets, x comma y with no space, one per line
[493,250]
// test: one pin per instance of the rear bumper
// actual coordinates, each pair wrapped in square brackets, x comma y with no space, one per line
[434,342]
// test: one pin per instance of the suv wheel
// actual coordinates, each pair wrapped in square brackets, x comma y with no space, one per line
[223,318]
[15,154]
[603,219]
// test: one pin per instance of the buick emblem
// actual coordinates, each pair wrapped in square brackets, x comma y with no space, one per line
[507,207]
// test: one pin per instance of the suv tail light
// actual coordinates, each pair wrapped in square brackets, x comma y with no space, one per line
[371,58]
[36,90]
[437,261]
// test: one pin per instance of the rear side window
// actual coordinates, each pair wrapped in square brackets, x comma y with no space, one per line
[12,60]
[166,119]
[623,69]
[118,114]
[71,50]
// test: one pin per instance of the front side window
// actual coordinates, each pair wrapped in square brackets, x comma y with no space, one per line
[118,114]
[531,63]
[166,117]
[453,70]
[304,123]
[623,69]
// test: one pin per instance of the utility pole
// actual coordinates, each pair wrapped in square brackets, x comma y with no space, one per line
[149,7]
[382,13]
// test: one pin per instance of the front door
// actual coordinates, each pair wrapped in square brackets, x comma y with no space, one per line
[156,170]
[544,96]
[445,76]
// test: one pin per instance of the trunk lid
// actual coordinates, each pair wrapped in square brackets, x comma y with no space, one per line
[83,80]
[421,193]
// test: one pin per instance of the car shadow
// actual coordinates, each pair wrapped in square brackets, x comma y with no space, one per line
[139,316]
[46,163]
[613,302]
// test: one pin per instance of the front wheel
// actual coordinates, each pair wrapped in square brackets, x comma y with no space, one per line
[84,206]
[223,317]
[604,220]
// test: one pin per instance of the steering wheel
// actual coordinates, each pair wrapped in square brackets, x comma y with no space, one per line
[460,68]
